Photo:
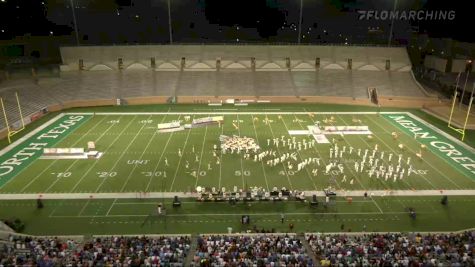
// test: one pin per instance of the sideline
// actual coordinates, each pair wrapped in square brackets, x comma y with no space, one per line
[159,195]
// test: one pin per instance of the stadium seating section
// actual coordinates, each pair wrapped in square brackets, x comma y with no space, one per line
[278,71]
[358,249]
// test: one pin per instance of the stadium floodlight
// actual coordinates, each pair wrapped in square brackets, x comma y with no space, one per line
[170,22]
[300,21]
[75,22]
[467,72]
[392,24]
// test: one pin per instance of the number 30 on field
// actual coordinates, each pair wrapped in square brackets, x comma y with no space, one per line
[155,174]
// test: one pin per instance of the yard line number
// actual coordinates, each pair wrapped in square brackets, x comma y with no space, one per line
[106,174]
[61,174]
[155,174]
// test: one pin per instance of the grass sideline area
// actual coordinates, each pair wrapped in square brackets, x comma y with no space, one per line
[134,161]
[135,216]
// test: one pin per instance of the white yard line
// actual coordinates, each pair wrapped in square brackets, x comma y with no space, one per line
[159,195]
[74,162]
[432,166]
[84,207]
[238,112]
[301,158]
[201,156]
[318,152]
[278,150]
[110,208]
[377,205]
[54,161]
[141,157]
[439,131]
[384,160]
[179,161]
[105,151]
[262,163]
[30,134]
[448,137]
[221,161]
[237,214]
[381,180]
[161,156]
[122,154]
[350,167]
[242,170]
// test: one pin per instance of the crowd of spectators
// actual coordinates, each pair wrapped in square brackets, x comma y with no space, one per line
[394,249]
[107,251]
[27,251]
[391,249]
[251,250]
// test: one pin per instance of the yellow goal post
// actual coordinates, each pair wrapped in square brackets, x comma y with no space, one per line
[11,132]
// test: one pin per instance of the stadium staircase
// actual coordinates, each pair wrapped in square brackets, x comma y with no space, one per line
[308,249]
[192,251]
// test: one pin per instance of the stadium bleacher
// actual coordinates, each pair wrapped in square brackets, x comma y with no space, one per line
[101,251]
[235,75]
[394,249]
[251,250]
[255,249]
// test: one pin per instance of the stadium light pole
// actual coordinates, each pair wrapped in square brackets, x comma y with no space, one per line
[392,24]
[75,22]
[300,21]
[463,91]
[170,22]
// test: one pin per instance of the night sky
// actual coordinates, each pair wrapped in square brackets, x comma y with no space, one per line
[208,21]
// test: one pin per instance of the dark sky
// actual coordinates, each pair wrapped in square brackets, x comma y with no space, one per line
[198,21]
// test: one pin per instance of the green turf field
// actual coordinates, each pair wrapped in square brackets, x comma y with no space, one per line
[136,155]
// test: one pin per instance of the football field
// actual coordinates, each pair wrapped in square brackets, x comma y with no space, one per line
[138,158]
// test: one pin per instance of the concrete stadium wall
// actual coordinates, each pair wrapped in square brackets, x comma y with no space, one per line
[401,102]
[82,103]
[408,102]
[204,57]
[436,63]
[146,100]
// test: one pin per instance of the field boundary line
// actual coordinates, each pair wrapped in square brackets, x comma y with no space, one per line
[30,134]
[428,162]
[241,112]
[56,160]
[157,195]
[439,131]
[28,164]
[237,214]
